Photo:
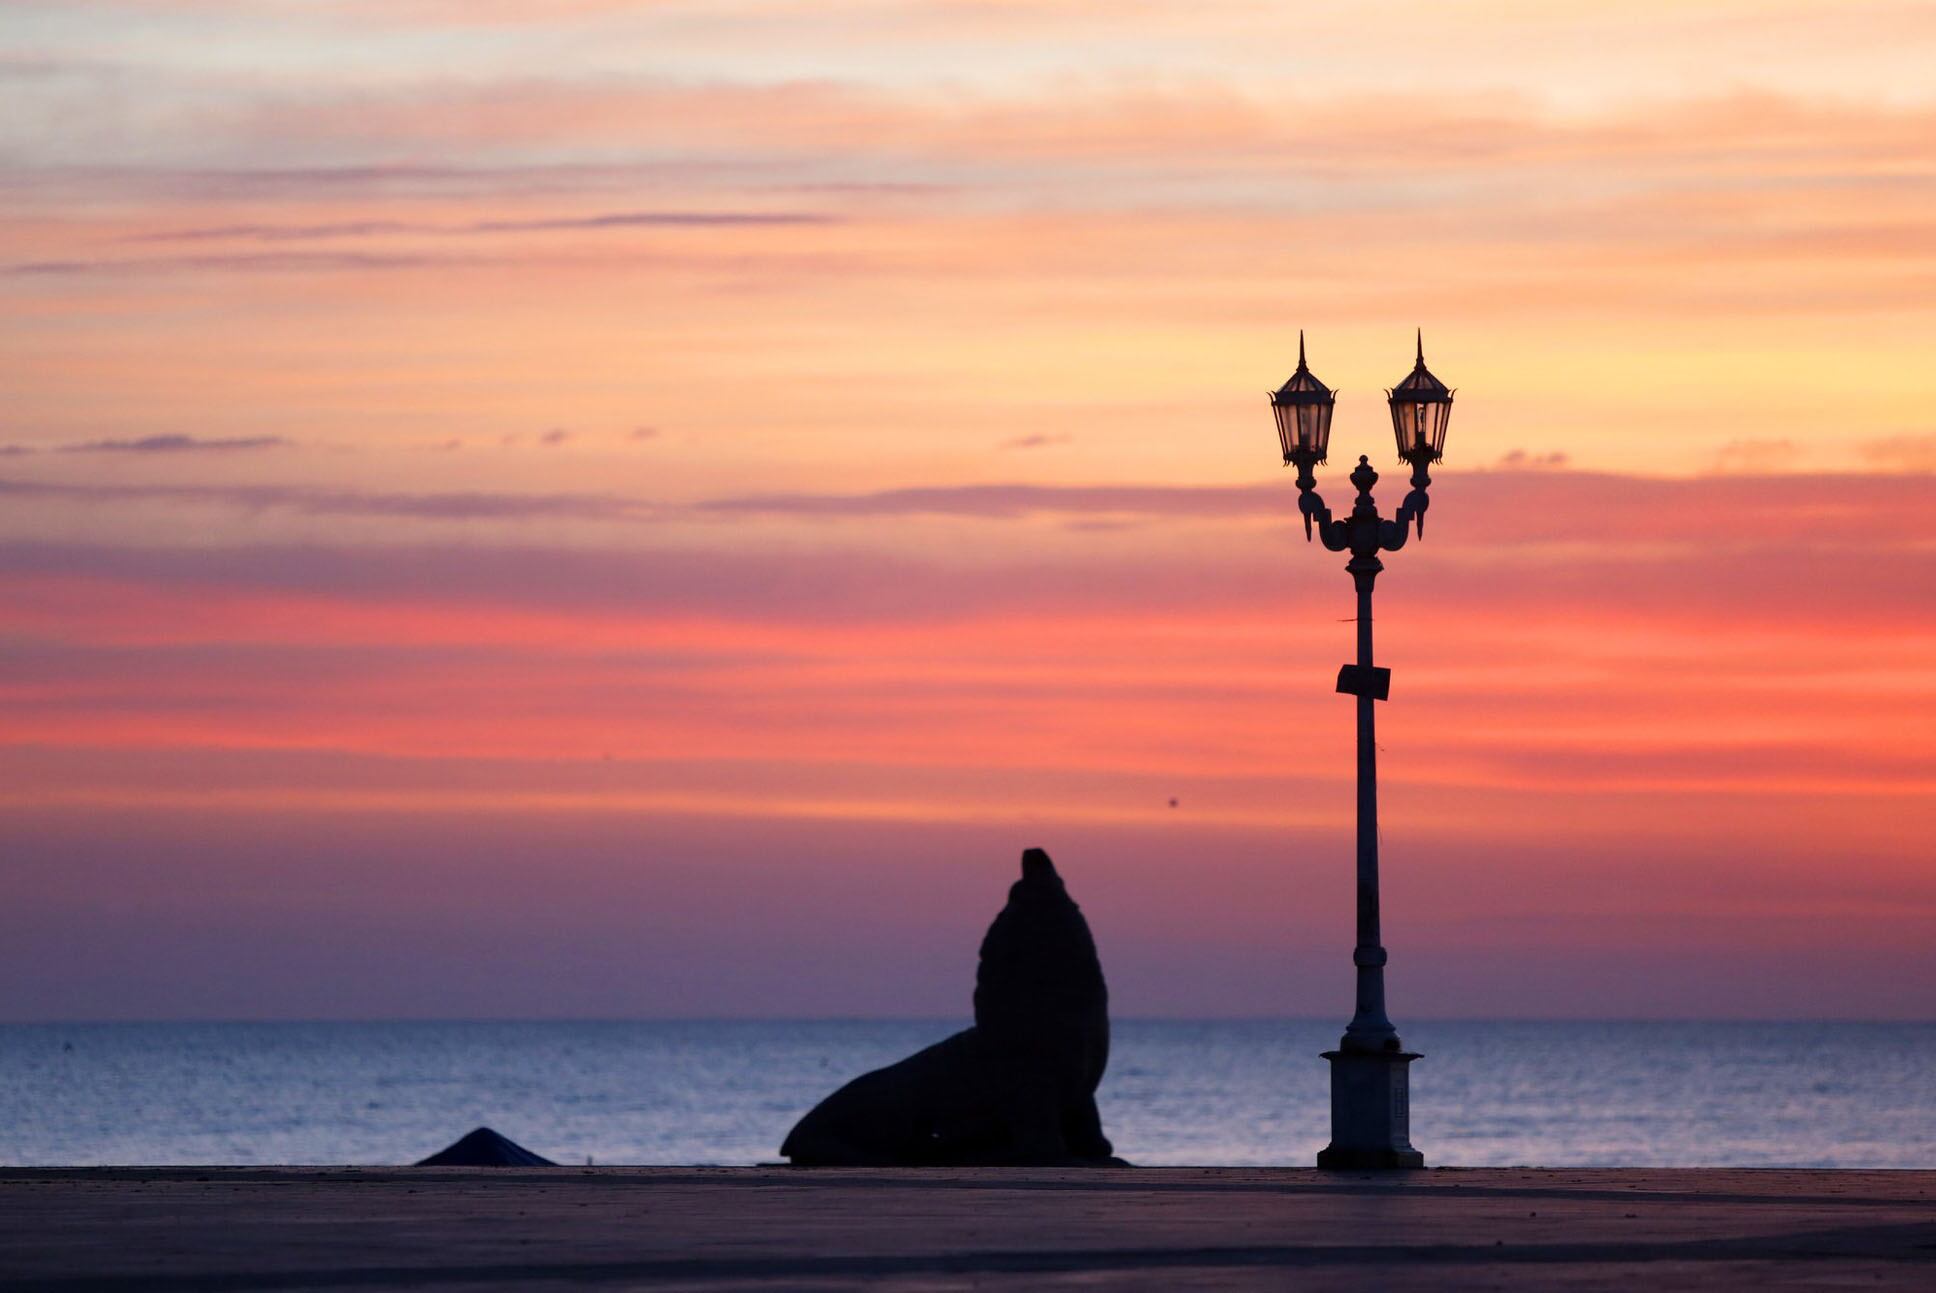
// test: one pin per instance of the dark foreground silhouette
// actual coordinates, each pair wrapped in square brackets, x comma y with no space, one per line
[1017,1089]
[485,1148]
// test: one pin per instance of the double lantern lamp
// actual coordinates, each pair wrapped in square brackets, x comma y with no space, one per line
[1421,406]
[1370,1084]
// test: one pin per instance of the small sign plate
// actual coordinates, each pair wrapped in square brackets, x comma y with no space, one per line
[1360,680]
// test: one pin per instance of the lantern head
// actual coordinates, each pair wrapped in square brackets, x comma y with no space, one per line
[1303,408]
[1420,408]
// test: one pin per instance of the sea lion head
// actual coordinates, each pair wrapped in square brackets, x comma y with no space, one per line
[1039,879]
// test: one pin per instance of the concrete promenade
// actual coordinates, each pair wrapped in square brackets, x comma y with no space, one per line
[163,1229]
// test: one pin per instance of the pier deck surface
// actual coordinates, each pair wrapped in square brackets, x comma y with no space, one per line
[125,1229]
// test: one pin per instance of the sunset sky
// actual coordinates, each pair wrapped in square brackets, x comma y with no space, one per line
[579,508]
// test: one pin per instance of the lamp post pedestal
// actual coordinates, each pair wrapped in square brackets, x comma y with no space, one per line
[1371,1111]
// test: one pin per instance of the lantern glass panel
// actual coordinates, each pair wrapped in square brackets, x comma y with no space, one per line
[1303,427]
[1405,426]
[1419,427]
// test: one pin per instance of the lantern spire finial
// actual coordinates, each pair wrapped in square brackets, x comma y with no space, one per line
[1300,347]
[1421,347]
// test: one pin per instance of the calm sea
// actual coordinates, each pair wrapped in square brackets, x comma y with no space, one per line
[1241,1093]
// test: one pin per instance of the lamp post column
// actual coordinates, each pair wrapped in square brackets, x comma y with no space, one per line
[1370,1029]
[1370,1070]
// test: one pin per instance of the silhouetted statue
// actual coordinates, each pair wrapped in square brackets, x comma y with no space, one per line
[485,1148]
[1017,1088]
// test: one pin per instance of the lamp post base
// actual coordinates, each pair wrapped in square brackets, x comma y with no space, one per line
[1371,1111]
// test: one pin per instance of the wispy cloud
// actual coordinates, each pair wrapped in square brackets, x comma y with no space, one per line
[1513,507]
[1754,455]
[382,228]
[1246,129]
[178,444]
[1010,501]
[315,501]
[285,262]
[1040,440]
[1902,452]
[1521,460]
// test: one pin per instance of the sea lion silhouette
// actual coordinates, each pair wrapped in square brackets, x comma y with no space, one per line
[1019,1088]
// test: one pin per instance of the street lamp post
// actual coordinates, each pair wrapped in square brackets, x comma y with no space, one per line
[1370,1098]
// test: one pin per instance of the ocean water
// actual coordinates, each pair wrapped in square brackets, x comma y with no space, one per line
[725,1092]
